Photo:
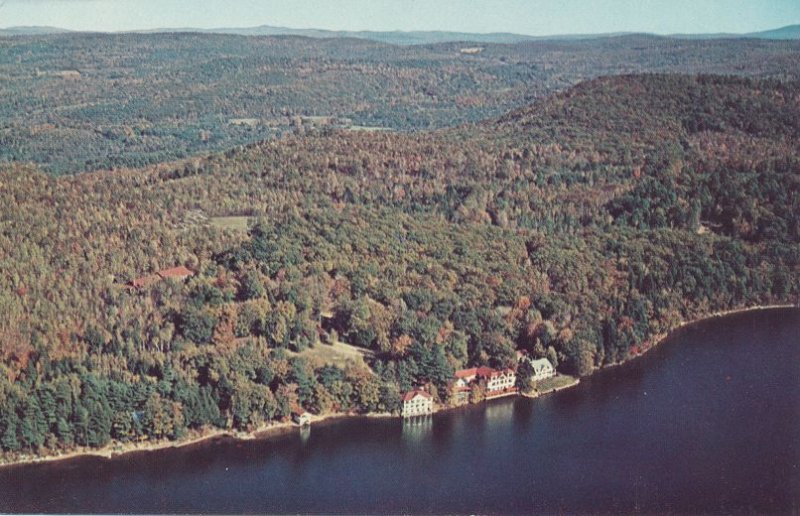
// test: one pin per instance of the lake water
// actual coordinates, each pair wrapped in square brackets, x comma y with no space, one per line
[707,422]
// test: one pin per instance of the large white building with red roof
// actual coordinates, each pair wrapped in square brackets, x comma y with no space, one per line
[498,381]
[417,402]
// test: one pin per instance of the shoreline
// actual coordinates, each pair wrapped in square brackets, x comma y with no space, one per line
[117,449]
[536,393]
[658,338]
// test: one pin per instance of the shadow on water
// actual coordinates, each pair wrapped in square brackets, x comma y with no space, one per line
[707,422]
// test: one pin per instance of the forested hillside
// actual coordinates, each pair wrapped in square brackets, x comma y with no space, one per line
[81,102]
[577,228]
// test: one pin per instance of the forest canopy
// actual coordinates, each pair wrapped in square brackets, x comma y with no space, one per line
[578,229]
[83,102]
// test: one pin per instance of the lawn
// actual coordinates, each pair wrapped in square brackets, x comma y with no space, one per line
[338,354]
[232,223]
[558,382]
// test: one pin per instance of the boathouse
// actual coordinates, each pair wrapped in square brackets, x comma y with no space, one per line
[301,418]
[417,403]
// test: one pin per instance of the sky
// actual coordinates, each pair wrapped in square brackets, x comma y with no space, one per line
[532,17]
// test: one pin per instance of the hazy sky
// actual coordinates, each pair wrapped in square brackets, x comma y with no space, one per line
[535,17]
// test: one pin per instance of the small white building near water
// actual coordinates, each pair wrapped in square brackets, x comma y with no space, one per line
[417,403]
[301,418]
[542,369]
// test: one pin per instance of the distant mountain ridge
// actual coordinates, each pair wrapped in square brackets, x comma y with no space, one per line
[788,32]
[31,31]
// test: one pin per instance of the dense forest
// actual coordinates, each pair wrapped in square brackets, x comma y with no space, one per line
[83,102]
[577,228]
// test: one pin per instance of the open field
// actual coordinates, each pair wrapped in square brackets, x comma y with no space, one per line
[232,223]
[338,354]
[556,383]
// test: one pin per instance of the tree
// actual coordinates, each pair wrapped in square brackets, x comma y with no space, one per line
[47,403]
[9,440]
[390,400]
[122,426]
[440,371]
[552,356]
[286,400]
[158,418]
[63,398]
[580,356]
[197,325]
[322,401]
[80,422]
[361,332]
[242,405]
[95,416]
[99,425]
[478,392]
[366,389]
[224,331]
[65,432]
[251,287]
[252,318]
[458,349]
[281,321]
[33,427]
[525,375]
[302,375]
[199,406]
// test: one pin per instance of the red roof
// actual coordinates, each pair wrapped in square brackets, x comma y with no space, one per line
[466,373]
[175,272]
[410,395]
[486,371]
[476,371]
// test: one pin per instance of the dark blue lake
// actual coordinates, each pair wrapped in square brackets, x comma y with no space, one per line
[707,422]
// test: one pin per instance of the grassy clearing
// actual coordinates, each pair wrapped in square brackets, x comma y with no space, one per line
[338,354]
[232,223]
[556,383]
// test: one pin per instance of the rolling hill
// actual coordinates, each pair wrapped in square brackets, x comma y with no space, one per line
[417,37]
[81,102]
[578,228]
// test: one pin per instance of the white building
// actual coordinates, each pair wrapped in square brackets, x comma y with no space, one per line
[497,381]
[301,418]
[417,403]
[542,369]
[464,378]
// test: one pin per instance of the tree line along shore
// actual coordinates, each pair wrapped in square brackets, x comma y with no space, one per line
[274,429]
